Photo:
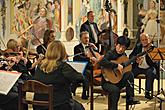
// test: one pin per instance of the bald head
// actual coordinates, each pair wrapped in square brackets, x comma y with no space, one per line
[144,39]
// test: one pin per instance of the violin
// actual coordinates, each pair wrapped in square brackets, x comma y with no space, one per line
[8,52]
[147,46]
[25,52]
[8,58]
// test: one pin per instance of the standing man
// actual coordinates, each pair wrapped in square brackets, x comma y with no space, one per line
[91,27]
[144,64]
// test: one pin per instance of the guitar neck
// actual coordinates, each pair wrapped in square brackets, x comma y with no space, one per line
[134,58]
[140,54]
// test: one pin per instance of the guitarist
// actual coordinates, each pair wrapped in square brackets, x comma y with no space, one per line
[144,64]
[114,89]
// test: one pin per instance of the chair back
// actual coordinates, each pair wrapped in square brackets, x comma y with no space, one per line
[35,87]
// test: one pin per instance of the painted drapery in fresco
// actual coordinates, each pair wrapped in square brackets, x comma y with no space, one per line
[28,14]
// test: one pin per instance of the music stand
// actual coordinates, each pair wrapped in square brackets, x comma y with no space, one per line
[159,54]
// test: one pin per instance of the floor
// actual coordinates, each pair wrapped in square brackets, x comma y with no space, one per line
[100,102]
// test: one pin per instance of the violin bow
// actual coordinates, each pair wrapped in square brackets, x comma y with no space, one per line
[25,30]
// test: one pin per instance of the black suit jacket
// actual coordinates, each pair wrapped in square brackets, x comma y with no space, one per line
[137,50]
[86,27]
[79,49]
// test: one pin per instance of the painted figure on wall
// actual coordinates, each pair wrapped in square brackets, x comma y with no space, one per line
[57,14]
[103,19]
[85,7]
[162,26]
[162,4]
[41,23]
[149,22]
[35,17]
[70,11]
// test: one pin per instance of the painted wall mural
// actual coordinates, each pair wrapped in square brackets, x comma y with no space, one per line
[103,18]
[3,15]
[30,18]
[70,12]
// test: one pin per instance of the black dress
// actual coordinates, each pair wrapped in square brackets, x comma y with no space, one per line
[61,79]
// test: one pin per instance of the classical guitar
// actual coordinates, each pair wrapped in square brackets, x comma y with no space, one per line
[115,75]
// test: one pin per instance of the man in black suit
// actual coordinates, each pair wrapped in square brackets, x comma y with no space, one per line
[81,54]
[113,89]
[144,64]
[91,27]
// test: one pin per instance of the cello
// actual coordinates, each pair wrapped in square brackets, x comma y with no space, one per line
[95,57]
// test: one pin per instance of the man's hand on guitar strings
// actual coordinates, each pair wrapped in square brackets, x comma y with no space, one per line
[120,68]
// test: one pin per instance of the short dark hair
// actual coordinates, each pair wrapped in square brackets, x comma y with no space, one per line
[89,13]
[122,40]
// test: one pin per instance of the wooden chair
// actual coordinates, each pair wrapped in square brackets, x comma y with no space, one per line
[35,87]
[142,76]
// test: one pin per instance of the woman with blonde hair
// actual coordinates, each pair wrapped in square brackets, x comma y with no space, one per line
[56,71]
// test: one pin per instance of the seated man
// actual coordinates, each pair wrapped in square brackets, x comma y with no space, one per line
[113,89]
[81,54]
[144,64]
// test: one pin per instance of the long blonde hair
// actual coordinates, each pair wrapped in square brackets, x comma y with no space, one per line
[55,54]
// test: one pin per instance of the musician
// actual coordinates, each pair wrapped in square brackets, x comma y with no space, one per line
[144,64]
[91,27]
[82,49]
[54,70]
[48,37]
[10,101]
[19,62]
[127,79]
[83,46]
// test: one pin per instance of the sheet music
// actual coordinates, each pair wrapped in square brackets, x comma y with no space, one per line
[78,66]
[7,80]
